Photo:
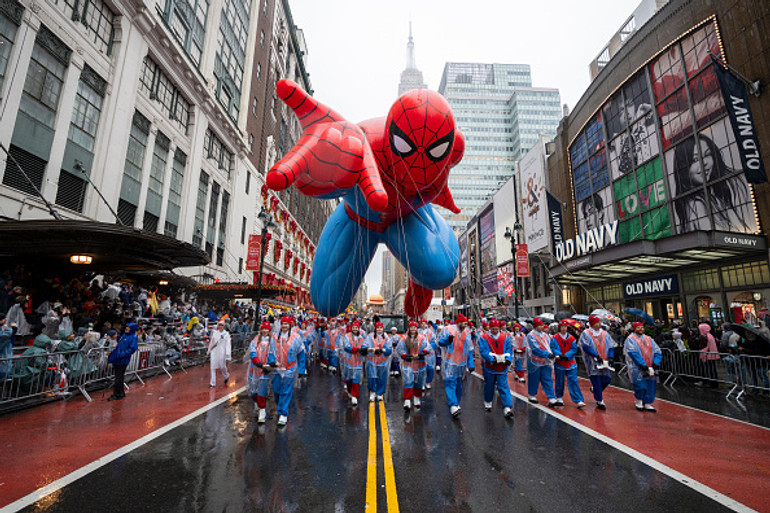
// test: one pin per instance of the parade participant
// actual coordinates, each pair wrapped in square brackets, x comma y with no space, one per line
[395,363]
[322,341]
[334,341]
[598,350]
[540,362]
[496,354]
[219,350]
[352,361]
[564,346]
[120,357]
[258,374]
[303,333]
[519,351]
[377,349]
[413,350]
[643,356]
[285,349]
[430,361]
[458,358]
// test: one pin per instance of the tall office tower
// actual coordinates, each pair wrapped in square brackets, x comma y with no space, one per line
[411,77]
[501,116]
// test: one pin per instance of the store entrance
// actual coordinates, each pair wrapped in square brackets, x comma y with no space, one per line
[665,309]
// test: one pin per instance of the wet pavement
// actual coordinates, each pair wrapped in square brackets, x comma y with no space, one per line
[223,461]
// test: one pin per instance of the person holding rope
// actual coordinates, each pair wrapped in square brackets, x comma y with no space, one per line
[565,347]
[496,352]
[261,363]
[643,357]
[430,361]
[540,362]
[413,351]
[519,351]
[598,350]
[377,349]
[458,343]
[352,361]
[285,349]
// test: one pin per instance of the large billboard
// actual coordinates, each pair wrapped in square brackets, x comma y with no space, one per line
[464,271]
[487,251]
[660,156]
[532,190]
[505,205]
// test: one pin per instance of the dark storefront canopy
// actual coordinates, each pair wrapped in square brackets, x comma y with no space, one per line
[51,244]
[669,255]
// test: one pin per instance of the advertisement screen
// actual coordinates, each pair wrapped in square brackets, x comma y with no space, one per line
[533,201]
[488,252]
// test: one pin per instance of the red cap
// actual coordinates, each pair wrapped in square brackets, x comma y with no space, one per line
[265,326]
[485,324]
[538,322]
[494,323]
[460,318]
[413,323]
[516,325]
[379,325]
[286,320]
[355,324]
[563,322]
[593,320]
[637,324]
[447,321]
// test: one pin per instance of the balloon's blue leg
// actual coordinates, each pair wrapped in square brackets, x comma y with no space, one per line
[344,252]
[425,244]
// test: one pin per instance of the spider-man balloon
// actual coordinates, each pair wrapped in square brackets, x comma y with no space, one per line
[388,171]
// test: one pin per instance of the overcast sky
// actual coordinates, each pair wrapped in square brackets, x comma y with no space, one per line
[357,49]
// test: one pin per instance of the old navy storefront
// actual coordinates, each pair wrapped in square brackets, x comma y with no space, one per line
[702,275]
[663,177]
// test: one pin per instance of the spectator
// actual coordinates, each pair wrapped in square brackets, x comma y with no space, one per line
[6,348]
[120,358]
[708,355]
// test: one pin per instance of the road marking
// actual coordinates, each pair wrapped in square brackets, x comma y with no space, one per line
[390,476]
[96,464]
[371,463]
[660,467]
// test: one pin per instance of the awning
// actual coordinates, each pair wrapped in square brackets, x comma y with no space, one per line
[667,255]
[49,244]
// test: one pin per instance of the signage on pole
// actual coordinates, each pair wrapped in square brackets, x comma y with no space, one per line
[522,260]
[254,251]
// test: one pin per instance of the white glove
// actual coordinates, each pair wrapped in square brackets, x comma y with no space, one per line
[650,371]
[500,358]
[605,364]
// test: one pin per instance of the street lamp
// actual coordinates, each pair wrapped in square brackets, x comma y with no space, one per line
[267,222]
[513,237]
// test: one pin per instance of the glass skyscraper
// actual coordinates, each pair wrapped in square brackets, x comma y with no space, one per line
[501,116]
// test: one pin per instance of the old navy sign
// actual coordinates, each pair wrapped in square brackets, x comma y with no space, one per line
[588,242]
[662,285]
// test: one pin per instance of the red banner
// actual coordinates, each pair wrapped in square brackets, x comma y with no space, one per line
[448,293]
[522,260]
[255,249]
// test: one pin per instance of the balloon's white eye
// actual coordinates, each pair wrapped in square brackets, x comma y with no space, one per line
[439,151]
[401,145]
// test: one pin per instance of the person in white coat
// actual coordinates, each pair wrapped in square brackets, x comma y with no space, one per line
[219,351]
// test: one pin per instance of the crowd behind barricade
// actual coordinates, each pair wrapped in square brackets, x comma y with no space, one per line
[56,335]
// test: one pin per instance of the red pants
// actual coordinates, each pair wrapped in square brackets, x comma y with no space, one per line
[353,388]
[409,392]
[261,401]
[520,373]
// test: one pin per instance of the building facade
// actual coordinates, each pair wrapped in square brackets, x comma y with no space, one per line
[501,116]
[142,113]
[664,210]
[411,77]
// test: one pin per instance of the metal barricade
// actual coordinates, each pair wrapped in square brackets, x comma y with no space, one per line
[711,368]
[753,374]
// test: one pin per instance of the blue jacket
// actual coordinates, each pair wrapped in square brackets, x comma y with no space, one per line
[127,345]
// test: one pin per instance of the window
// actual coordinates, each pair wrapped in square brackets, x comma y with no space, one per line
[261,38]
[132,169]
[741,275]
[223,211]
[215,150]
[160,88]
[240,265]
[157,177]
[251,143]
[45,78]
[10,19]
[95,16]
[254,105]
[231,54]
[212,222]
[187,21]
[88,108]
[175,193]
[243,230]
[259,75]
[628,29]
[200,209]
[248,181]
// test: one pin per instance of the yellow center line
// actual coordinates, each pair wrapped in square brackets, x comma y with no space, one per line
[371,464]
[390,477]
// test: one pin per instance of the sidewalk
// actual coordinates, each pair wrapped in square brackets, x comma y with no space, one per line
[45,443]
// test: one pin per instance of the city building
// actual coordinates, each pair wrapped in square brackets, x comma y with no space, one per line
[653,220]
[151,118]
[394,283]
[501,116]
[411,77]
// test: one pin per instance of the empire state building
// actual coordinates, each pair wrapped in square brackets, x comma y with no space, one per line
[411,77]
